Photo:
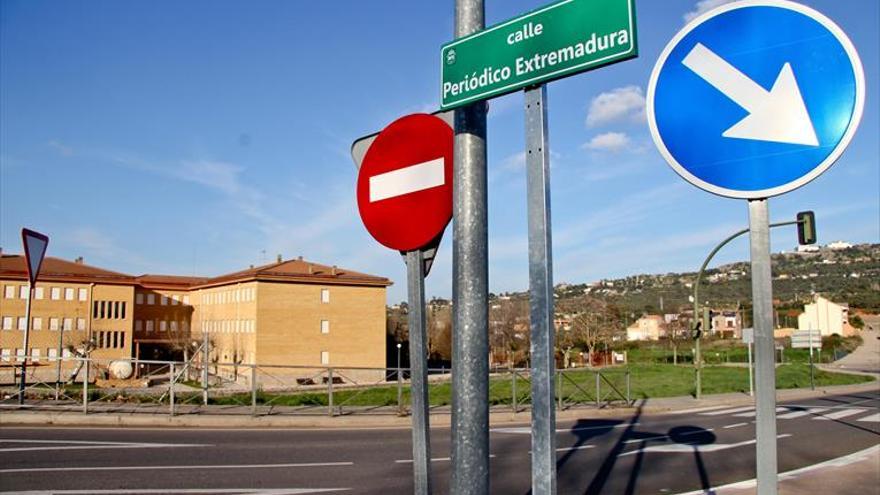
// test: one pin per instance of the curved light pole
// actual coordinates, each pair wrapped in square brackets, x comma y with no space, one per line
[697,332]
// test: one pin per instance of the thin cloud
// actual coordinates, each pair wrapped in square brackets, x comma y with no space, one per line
[60,147]
[625,104]
[613,142]
[702,7]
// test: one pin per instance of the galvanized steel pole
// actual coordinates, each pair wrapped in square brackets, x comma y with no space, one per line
[470,291]
[27,333]
[765,349]
[418,355]
[540,293]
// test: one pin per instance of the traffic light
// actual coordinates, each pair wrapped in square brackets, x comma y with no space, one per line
[697,331]
[806,227]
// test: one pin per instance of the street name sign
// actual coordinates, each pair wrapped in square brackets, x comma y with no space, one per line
[555,41]
[35,245]
[755,98]
[805,339]
[404,186]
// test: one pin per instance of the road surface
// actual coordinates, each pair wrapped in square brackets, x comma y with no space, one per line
[632,454]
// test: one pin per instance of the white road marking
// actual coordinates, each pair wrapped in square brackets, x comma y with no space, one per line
[527,430]
[87,445]
[840,414]
[679,448]
[798,414]
[751,414]
[407,180]
[569,449]
[727,411]
[433,459]
[874,418]
[735,425]
[696,410]
[147,491]
[838,462]
[179,467]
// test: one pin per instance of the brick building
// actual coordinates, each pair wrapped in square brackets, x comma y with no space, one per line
[287,313]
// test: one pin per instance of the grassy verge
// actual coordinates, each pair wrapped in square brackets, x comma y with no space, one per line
[576,386]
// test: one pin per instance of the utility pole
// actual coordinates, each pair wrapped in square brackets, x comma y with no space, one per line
[470,381]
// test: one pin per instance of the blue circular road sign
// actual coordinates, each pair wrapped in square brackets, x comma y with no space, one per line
[755,98]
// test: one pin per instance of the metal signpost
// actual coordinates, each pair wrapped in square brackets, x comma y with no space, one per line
[555,41]
[404,193]
[748,338]
[751,100]
[35,245]
[808,339]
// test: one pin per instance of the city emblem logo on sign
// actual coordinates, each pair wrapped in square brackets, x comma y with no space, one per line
[755,98]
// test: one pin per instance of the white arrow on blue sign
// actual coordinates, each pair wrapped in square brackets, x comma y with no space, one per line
[755,98]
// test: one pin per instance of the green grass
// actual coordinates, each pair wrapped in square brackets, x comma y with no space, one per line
[578,386]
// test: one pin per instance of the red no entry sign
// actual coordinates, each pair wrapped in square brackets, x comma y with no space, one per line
[404,187]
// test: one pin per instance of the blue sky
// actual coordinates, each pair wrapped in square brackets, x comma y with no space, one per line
[200,137]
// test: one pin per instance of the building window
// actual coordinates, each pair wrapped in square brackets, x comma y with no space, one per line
[139,298]
[55,293]
[121,340]
[175,300]
[325,326]
[22,323]
[185,299]
[68,294]
[83,295]
[38,323]
[163,326]
[164,300]
[151,298]
[149,326]
[53,323]
[35,354]
[325,357]
[19,355]
[325,296]
[52,353]
[6,355]
[38,293]
[23,292]
[80,323]
[174,326]
[7,323]
[9,292]
[68,324]
[65,353]
[138,325]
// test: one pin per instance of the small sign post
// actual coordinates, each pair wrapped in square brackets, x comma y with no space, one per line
[751,100]
[404,194]
[35,245]
[748,338]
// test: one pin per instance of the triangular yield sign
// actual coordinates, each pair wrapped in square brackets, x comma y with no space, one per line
[35,245]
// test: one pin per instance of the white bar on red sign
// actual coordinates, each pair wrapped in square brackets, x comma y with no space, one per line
[407,180]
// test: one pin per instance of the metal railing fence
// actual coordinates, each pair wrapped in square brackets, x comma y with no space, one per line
[179,388]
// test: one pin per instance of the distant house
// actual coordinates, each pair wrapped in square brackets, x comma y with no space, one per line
[838,245]
[648,327]
[727,324]
[829,318]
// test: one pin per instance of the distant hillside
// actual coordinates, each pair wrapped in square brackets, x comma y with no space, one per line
[850,275]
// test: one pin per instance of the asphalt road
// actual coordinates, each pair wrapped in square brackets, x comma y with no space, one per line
[669,453]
